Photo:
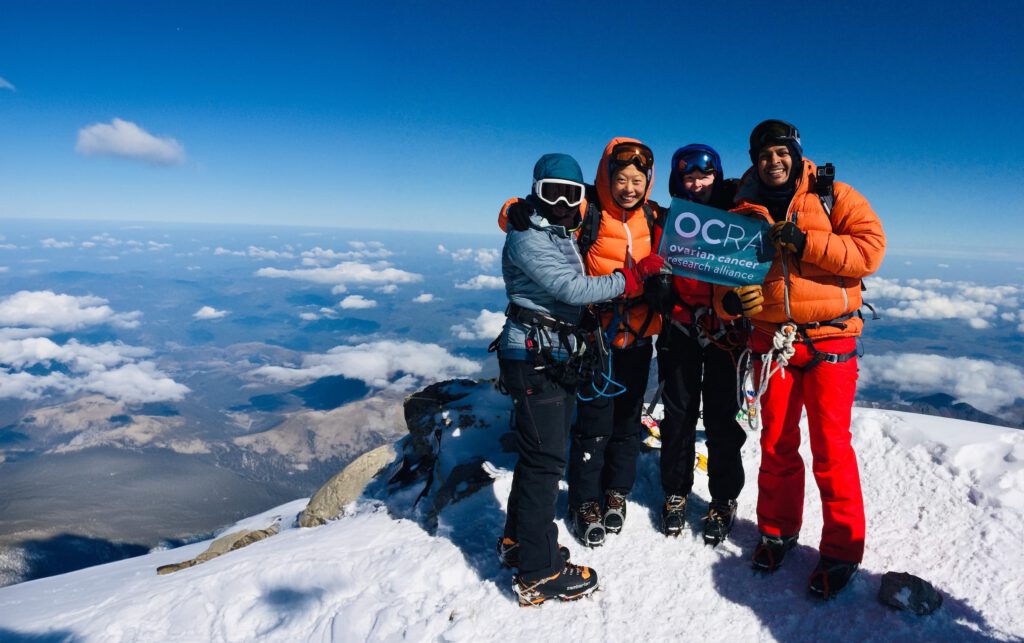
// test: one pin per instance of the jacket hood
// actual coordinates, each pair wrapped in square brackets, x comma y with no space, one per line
[603,181]
[675,178]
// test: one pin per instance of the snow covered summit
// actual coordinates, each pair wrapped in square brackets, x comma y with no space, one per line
[944,499]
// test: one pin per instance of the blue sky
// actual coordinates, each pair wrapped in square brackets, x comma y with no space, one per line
[426,116]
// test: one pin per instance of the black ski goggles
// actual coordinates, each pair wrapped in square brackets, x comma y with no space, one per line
[636,154]
[778,132]
[696,161]
[551,191]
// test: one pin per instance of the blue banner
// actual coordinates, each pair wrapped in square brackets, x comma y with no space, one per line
[713,245]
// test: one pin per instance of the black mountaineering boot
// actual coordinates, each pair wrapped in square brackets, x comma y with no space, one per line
[830,577]
[508,552]
[586,524]
[718,522]
[574,581]
[673,515]
[614,511]
[770,551]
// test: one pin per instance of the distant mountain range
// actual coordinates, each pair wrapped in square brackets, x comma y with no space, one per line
[941,405]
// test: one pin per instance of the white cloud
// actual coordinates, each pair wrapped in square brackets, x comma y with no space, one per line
[108,369]
[486,325]
[985,385]
[125,139]
[80,358]
[361,250]
[482,282]
[263,253]
[6,84]
[345,273]
[53,243]
[46,309]
[484,257]
[389,289]
[375,363]
[134,383]
[938,299]
[424,298]
[4,268]
[357,302]
[255,252]
[209,312]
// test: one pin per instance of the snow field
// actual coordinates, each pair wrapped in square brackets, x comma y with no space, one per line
[942,498]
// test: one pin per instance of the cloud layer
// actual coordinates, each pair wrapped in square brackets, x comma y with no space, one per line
[988,386]
[375,363]
[125,139]
[32,365]
[934,299]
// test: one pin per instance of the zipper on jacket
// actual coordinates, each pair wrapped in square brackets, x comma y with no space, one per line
[785,270]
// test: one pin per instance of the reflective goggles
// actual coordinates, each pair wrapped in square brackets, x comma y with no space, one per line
[636,154]
[551,191]
[696,161]
[774,132]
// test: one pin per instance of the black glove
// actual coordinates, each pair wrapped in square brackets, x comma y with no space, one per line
[785,236]
[518,215]
[744,300]
[659,294]
[589,321]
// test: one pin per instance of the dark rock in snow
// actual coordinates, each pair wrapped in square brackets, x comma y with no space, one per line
[904,591]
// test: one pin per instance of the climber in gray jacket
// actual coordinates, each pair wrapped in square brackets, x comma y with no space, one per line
[538,353]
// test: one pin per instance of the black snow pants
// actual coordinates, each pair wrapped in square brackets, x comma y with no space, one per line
[691,371]
[543,411]
[606,435]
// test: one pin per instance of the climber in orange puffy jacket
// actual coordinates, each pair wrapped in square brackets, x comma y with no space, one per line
[813,294]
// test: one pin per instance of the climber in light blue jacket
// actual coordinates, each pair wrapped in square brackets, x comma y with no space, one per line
[547,291]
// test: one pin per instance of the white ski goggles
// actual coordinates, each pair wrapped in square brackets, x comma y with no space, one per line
[551,191]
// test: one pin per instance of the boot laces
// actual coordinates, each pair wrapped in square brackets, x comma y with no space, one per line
[590,512]
[719,512]
[615,500]
[675,503]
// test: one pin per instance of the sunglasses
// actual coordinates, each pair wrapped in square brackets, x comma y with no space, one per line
[696,162]
[636,154]
[551,191]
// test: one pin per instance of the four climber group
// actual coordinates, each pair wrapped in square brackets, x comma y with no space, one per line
[591,298]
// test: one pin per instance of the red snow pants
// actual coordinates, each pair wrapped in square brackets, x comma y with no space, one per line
[827,392]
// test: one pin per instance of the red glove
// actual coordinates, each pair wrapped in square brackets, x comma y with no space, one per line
[636,274]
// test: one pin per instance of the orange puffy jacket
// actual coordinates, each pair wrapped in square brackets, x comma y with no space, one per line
[824,283]
[623,238]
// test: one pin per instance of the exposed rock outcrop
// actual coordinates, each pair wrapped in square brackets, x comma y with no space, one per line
[224,544]
[330,500]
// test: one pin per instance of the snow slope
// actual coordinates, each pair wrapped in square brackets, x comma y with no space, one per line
[945,501]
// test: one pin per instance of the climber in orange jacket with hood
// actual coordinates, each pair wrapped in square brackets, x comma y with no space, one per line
[812,295]
[606,435]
